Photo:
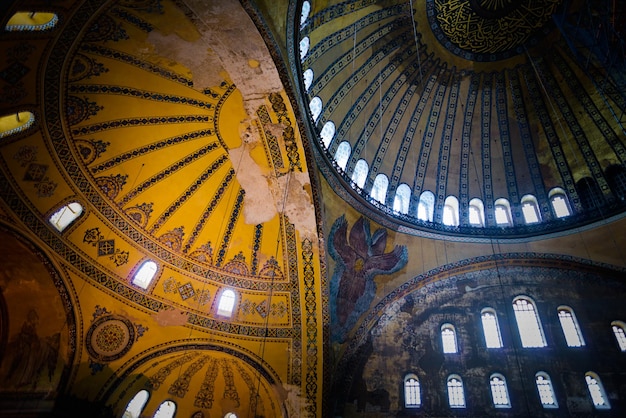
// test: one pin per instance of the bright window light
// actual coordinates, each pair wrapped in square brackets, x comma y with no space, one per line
[412,396]
[63,217]
[145,274]
[227,303]
[546,391]
[448,339]
[570,327]
[528,323]
[491,329]
[499,392]
[598,396]
[456,395]
[620,334]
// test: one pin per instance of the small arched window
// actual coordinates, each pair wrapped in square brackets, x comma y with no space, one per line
[31,21]
[530,209]
[167,409]
[491,328]
[342,155]
[569,325]
[316,108]
[359,175]
[456,394]
[528,323]
[230,415]
[307,77]
[591,196]
[379,188]
[450,215]
[412,395]
[476,213]
[136,405]
[619,330]
[145,274]
[65,215]
[14,123]
[499,391]
[596,391]
[448,339]
[402,199]
[560,203]
[426,206]
[227,303]
[502,212]
[545,390]
[304,14]
[304,47]
[328,132]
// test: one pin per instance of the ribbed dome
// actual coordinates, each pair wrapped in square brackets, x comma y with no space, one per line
[506,123]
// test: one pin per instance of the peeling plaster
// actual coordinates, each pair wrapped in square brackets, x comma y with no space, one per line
[170,317]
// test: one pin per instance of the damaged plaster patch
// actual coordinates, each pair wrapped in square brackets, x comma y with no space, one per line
[170,317]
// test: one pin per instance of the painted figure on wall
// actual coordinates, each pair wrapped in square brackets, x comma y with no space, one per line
[360,257]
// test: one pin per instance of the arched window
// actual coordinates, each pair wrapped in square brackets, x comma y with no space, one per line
[528,323]
[14,123]
[426,206]
[402,199]
[619,330]
[304,14]
[545,390]
[451,211]
[167,409]
[360,173]
[596,391]
[145,274]
[456,394]
[499,391]
[316,108]
[412,395]
[448,339]
[328,132]
[530,209]
[31,21]
[591,196]
[304,47]
[230,415]
[476,213]
[616,178]
[559,202]
[342,155]
[307,76]
[502,212]
[136,405]
[65,215]
[491,328]
[379,188]
[227,303]
[569,324]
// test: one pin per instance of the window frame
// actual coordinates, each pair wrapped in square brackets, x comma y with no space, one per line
[502,389]
[522,330]
[573,322]
[77,212]
[139,282]
[449,339]
[620,340]
[416,387]
[228,310]
[139,408]
[458,392]
[548,384]
[597,383]
[496,325]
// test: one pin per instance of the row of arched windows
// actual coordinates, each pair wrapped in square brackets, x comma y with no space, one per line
[529,327]
[167,409]
[500,393]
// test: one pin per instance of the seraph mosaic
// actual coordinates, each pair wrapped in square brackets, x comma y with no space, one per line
[360,257]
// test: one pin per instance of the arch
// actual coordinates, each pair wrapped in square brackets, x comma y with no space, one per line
[412,393]
[530,209]
[499,391]
[616,178]
[450,216]
[476,212]
[304,13]
[305,43]
[307,77]
[15,122]
[426,206]
[456,393]
[342,155]
[379,188]
[144,275]
[491,328]
[559,202]
[528,322]
[226,304]
[65,215]
[402,199]
[31,21]
[545,390]
[570,327]
[619,331]
[230,415]
[359,175]
[136,404]
[502,212]
[167,409]
[448,339]
[327,133]
[315,106]
[596,391]
[591,196]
